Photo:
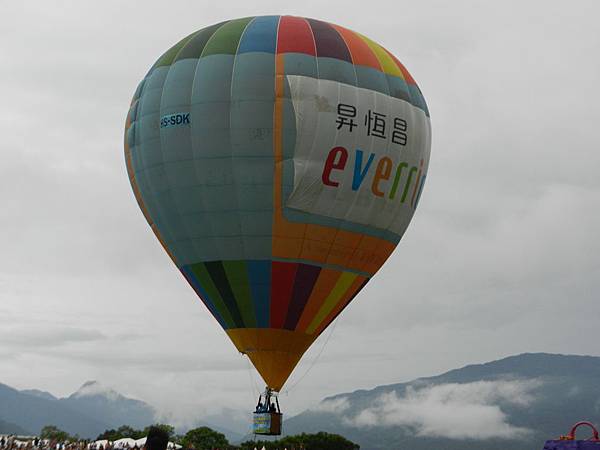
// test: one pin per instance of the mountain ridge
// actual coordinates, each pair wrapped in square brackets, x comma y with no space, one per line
[476,367]
[38,393]
[32,412]
[525,399]
[87,412]
[513,403]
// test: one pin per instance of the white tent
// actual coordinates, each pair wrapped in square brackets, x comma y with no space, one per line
[142,441]
[124,443]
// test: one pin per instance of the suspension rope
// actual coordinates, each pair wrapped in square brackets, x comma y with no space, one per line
[288,390]
[253,385]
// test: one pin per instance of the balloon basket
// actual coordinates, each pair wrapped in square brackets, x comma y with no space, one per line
[267,416]
[268,424]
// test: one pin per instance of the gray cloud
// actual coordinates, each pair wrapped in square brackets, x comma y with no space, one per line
[338,405]
[502,248]
[32,337]
[454,411]
[154,359]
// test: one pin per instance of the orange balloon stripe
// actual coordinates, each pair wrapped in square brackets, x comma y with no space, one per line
[362,55]
[343,284]
[342,303]
[317,242]
[343,248]
[325,283]
[372,253]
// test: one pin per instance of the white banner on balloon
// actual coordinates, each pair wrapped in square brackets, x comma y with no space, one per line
[360,155]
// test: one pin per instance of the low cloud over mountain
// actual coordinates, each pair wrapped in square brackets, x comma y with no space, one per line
[465,411]
[511,404]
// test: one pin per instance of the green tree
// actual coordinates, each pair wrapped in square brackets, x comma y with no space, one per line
[107,434]
[178,439]
[54,433]
[168,428]
[124,431]
[205,438]
[327,441]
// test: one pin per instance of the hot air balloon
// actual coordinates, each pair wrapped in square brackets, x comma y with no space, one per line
[279,161]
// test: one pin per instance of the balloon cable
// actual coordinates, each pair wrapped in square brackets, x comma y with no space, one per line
[287,391]
[253,385]
[255,391]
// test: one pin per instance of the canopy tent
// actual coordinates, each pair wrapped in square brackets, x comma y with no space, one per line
[124,443]
[142,441]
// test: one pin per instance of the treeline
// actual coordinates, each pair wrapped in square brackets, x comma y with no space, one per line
[205,438]
[53,433]
[318,441]
[125,431]
[198,438]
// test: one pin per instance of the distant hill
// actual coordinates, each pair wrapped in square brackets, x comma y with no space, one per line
[109,406]
[11,428]
[32,412]
[38,393]
[515,403]
[512,404]
[87,412]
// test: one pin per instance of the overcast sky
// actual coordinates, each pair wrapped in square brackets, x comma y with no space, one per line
[502,256]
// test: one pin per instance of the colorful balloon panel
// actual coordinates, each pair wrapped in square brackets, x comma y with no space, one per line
[279,161]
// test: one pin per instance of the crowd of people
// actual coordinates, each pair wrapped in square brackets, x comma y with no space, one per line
[10,442]
[157,440]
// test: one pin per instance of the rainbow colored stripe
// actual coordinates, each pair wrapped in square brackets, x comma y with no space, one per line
[239,293]
[288,34]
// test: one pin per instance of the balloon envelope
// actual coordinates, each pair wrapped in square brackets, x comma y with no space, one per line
[279,161]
